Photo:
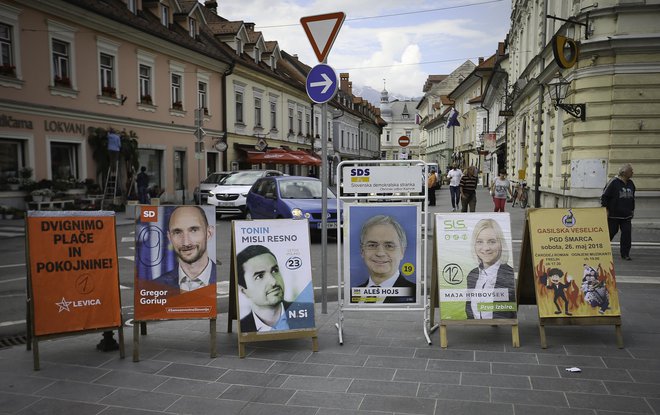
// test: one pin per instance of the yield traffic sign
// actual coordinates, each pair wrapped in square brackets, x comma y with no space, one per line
[321,83]
[321,31]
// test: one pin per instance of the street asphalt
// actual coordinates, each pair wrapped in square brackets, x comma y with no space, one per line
[384,365]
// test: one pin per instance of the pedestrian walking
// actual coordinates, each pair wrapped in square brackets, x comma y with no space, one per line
[143,186]
[468,188]
[454,175]
[431,186]
[500,189]
[619,199]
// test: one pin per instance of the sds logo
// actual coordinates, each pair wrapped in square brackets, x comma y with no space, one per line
[359,172]
[149,214]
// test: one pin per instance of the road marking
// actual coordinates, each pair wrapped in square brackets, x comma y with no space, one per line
[13,279]
[11,323]
[12,265]
[127,239]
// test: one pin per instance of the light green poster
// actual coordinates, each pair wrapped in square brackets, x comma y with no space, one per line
[475,266]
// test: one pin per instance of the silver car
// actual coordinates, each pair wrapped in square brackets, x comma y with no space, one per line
[229,196]
[201,192]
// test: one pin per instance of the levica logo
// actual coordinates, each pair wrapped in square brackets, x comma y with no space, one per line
[149,214]
[568,220]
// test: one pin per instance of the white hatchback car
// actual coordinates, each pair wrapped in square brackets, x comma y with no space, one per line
[228,197]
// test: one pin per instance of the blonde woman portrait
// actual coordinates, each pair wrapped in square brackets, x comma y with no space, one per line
[490,284]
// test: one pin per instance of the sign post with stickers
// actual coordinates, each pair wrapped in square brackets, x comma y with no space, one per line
[271,291]
[73,276]
[567,270]
[383,251]
[175,267]
[473,280]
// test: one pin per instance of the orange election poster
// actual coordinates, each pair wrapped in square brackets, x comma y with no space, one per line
[175,269]
[573,267]
[74,274]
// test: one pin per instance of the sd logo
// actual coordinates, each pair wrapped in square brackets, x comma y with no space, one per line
[149,214]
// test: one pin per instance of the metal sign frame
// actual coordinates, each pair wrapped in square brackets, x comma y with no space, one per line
[375,198]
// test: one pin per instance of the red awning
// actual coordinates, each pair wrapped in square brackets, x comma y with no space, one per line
[307,158]
[282,156]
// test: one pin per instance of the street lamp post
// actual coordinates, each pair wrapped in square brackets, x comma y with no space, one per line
[558,88]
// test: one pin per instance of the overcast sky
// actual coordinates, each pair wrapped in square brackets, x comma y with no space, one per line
[400,41]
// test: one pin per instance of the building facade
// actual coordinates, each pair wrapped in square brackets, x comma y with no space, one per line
[568,161]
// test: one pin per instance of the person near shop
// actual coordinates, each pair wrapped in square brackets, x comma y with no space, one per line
[468,188]
[431,186]
[454,175]
[143,186]
[500,189]
[619,199]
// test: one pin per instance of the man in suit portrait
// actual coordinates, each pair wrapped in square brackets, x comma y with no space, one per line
[188,231]
[260,281]
[383,244]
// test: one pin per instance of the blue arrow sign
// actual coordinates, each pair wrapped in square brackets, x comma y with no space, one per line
[321,83]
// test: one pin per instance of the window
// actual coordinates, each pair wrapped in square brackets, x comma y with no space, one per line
[239,107]
[387,136]
[6,51]
[342,138]
[131,6]
[145,85]
[273,115]
[12,157]
[64,160]
[61,74]
[239,46]
[10,46]
[176,92]
[202,96]
[61,42]
[107,75]
[408,133]
[257,112]
[192,27]
[300,121]
[290,119]
[165,15]
[152,159]
[307,124]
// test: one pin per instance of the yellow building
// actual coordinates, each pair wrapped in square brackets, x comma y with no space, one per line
[566,160]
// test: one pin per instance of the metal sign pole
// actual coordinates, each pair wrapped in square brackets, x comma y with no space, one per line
[324,209]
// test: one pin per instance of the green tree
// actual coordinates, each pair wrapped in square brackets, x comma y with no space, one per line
[128,155]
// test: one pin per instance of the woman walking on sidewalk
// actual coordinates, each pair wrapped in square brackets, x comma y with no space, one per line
[500,189]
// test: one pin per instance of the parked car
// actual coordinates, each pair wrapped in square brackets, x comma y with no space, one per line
[201,192]
[291,197]
[228,197]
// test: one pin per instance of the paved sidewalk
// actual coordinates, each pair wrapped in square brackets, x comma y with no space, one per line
[385,365]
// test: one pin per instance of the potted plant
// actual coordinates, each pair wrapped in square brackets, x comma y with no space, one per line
[146,99]
[14,183]
[8,70]
[177,105]
[41,195]
[3,210]
[62,81]
[109,91]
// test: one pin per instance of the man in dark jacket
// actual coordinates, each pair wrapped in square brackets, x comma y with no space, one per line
[619,200]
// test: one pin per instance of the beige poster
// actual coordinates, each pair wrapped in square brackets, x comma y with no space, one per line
[573,267]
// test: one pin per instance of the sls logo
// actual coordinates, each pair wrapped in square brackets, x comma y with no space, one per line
[149,214]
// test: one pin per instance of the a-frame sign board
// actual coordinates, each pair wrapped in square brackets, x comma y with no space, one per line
[73,276]
[157,294]
[456,268]
[566,269]
[275,276]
